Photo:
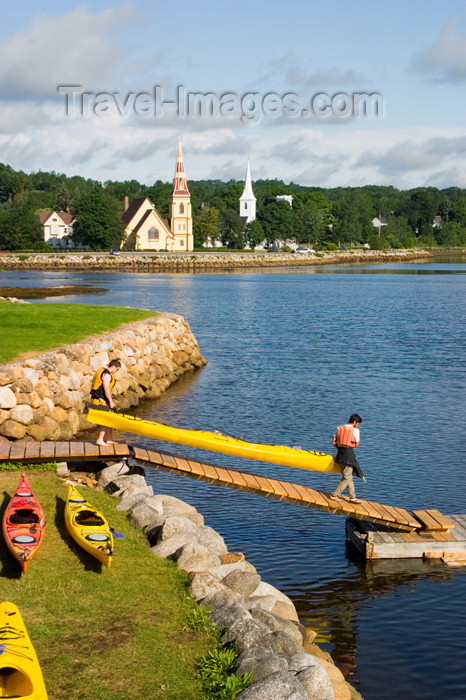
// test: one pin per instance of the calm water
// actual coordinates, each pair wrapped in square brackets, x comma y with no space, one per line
[291,355]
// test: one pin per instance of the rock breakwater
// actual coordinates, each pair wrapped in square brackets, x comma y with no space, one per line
[198,261]
[43,397]
[259,619]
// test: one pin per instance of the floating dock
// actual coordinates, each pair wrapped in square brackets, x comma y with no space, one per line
[437,544]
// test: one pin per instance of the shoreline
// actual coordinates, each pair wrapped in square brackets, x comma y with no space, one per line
[205,261]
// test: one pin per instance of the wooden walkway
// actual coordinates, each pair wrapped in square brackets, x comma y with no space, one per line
[75,451]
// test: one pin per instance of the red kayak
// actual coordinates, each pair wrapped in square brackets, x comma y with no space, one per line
[23,524]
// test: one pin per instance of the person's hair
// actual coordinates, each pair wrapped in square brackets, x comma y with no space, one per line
[355,418]
[114,363]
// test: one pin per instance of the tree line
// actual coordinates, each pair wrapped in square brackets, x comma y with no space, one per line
[319,217]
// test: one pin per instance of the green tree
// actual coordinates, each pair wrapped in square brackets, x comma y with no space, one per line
[206,226]
[314,212]
[353,218]
[20,227]
[98,223]
[253,233]
[279,221]
[231,229]
[63,199]
[451,234]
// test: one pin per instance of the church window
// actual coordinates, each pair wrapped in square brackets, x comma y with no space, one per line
[181,243]
[181,208]
[245,205]
[153,234]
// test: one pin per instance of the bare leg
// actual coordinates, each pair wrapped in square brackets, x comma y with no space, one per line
[101,439]
[109,436]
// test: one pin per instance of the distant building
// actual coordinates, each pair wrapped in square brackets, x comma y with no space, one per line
[145,229]
[247,201]
[285,197]
[379,221]
[58,228]
[437,222]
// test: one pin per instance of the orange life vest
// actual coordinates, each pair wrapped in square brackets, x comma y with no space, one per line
[345,436]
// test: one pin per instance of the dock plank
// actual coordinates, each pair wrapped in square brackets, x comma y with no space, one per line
[47,450]
[5,450]
[91,450]
[17,450]
[444,522]
[182,464]
[32,450]
[62,450]
[121,449]
[77,450]
[427,520]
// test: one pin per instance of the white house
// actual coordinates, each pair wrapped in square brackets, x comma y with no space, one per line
[58,228]
[285,198]
[379,221]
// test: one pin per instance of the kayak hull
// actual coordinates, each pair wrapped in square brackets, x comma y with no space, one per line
[20,672]
[88,527]
[217,442]
[23,524]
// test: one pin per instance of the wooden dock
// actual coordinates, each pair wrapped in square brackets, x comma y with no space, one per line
[385,526]
[435,545]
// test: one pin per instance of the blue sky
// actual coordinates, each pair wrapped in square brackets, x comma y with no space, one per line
[263,64]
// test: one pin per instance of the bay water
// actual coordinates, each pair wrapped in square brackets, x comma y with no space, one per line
[291,354]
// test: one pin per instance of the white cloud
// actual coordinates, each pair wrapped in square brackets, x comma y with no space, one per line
[445,60]
[75,48]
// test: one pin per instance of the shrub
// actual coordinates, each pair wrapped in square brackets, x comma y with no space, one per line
[216,672]
[20,466]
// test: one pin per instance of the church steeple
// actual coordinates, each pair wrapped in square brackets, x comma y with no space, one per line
[181,222]
[180,185]
[247,202]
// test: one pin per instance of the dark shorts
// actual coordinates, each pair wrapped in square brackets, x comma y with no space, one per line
[346,456]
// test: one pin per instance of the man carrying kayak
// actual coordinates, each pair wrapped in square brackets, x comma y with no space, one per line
[346,439]
[101,395]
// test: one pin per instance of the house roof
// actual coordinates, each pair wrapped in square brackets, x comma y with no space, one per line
[133,209]
[141,220]
[65,216]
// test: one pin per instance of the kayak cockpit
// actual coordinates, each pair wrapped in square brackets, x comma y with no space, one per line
[14,683]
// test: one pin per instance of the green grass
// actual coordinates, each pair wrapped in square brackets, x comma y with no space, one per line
[121,633]
[28,328]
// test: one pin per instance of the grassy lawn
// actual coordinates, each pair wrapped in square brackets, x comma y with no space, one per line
[103,634]
[28,328]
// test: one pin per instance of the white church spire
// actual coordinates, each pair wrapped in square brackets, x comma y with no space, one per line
[247,202]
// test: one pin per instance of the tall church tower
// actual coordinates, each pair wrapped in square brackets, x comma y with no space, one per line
[247,202]
[181,222]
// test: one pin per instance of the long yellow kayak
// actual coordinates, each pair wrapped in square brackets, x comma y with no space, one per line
[88,527]
[20,672]
[216,442]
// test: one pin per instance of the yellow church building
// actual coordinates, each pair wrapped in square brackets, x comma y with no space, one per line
[145,229]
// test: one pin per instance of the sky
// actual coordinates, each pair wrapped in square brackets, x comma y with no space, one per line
[321,94]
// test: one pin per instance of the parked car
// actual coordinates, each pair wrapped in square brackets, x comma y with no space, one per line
[115,251]
[302,249]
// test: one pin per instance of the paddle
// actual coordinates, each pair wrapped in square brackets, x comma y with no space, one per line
[117,535]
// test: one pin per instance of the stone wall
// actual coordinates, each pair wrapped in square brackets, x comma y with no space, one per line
[43,397]
[202,261]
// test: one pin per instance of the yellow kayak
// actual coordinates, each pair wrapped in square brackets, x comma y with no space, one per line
[20,673]
[216,442]
[88,527]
